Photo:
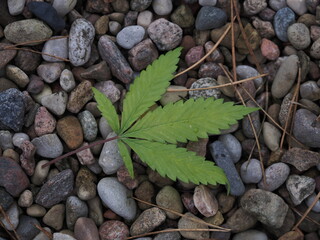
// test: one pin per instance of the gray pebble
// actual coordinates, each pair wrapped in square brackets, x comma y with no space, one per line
[130,36]
[300,187]
[26,229]
[145,18]
[209,18]
[251,171]
[117,197]
[48,145]
[109,89]
[5,140]
[67,81]
[13,215]
[6,200]
[223,159]
[140,5]
[310,200]
[204,83]
[104,127]
[16,75]
[42,235]
[233,146]
[56,47]
[80,39]
[162,7]
[310,90]
[19,138]
[63,6]
[75,208]
[299,36]
[168,236]
[271,136]
[315,49]
[276,175]
[50,72]
[25,199]
[207,2]
[114,27]
[298,7]
[89,125]
[252,7]
[56,102]
[250,235]
[187,223]
[169,197]
[62,236]
[244,71]
[277,4]
[16,7]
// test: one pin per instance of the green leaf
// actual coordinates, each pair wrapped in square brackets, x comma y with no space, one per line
[148,87]
[188,120]
[107,109]
[125,154]
[173,162]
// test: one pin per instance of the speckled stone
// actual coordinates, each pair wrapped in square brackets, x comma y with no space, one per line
[79,96]
[66,80]
[299,36]
[203,83]
[75,208]
[56,47]
[50,72]
[183,16]
[130,36]
[86,229]
[269,49]
[113,229]
[89,125]
[276,175]
[282,20]
[301,159]
[187,223]
[300,187]
[168,197]
[56,102]
[252,7]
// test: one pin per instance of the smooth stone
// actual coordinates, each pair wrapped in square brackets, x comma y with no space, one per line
[113,229]
[140,5]
[252,7]
[130,36]
[5,140]
[285,77]
[162,7]
[12,109]
[145,18]
[145,191]
[70,130]
[80,39]
[203,83]
[244,71]
[315,49]
[56,189]
[183,16]
[104,128]
[165,34]
[277,4]
[251,171]
[298,6]
[99,72]
[87,191]
[171,97]
[75,208]
[310,90]
[269,49]
[48,146]
[36,210]
[27,60]
[240,221]
[276,175]
[102,25]
[6,199]
[50,72]
[67,81]
[55,47]
[205,201]
[222,158]
[86,229]
[40,173]
[89,125]
[62,236]
[306,130]
[63,6]
[309,201]
[207,2]
[299,36]
[56,102]
[187,223]
[55,216]
[36,29]
[168,236]
[79,96]
[301,159]
[27,157]
[42,235]
[210,17]
[168,197]
[12,214]
[233,146]
[47,13]
[147,221]
[281,21]
[85,157]
[110,159]
[271,136]
[26,229]
[16,7]
[300,187]
[119,66]
[35,85]
[194,54]
[6,55]
[267,207]
[16,75]
[109,89]
[45,92]
[250,235]
[117,197]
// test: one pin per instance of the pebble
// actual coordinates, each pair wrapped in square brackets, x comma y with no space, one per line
[223,159]
[12,177]
[57,47]
[240,221]
[142,54]
[194,55]
[26,228]
[315,49]
[40,174]
[204,83]
[310,90]
[15,7]
[12,214]
[109,89]
[16,75]
[168,197]
[75,208]
[271,136]
[70,130]
[6,55]
[67,81]
[6,199]
[187,223]
[36,211]
[283,18]
[119,66]
[233,146]
[253,38]
[27,157]
[101,25]
[62,236]
[207,2]
[50,72]
[310,200]
[277,4]
[89,125]
[210,17]
[146,192]
[285,77]
[27,61]
[165,34]
[85,157]
[124,177]
[266,206]
[265,28]
[55,217]
[162,7]
[250,235]
[276,175]
[110,159]
[56,189]
[117,197]
[299,36]
[183,16]
[35,85]
[147,221]
[298,6]
[113,229]
[86,229]
[168,235]
[56,102]
[114,27]
[104,128]
[251,171]
[48,145]
[42,235]
[269,49]
[145,18]
[44,122]
[5,140]
[140,5]
[46,12]
[81,36]
[12,109]
[300,187]
[205,201]
[244,71]
[130,36]
[99,72]
[305,128]
[301,159]
[87,191]
[252,7]
[63,6]
[79,96]
[36,29]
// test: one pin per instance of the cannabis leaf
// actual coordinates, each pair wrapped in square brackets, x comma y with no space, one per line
[153,136]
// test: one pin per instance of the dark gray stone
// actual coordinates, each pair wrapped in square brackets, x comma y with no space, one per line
[26,228]
[210,17]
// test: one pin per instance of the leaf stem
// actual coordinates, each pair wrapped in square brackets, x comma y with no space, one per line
[79,150]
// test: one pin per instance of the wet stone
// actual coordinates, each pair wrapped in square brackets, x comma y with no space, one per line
[210,17]
[113,229]
[56,189]
[48,145]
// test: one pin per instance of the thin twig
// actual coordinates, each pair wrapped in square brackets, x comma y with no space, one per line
[34,51]
[47,233]
[16,236]
[34,41]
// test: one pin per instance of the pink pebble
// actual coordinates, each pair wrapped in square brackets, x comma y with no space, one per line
[194,54]
[44,122]
[269,49]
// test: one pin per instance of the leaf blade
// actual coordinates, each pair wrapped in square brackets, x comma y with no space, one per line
[148,87]
[107,109]
[173,162]
[124,152]
[179,122]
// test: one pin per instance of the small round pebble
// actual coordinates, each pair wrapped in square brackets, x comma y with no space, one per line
[75,208]
[36,211]
[162,7]
[282,20]
[269,49]
[271,136]
[89,125]
[130,36]
[276,175]
[57,47]
[187,223]
[205,201]
[67,81]
[299,36]
[40,173]
[48,145]
[25,199]
[251,171]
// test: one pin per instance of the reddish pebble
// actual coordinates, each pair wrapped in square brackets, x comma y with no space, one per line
[85,156]
[269,49]
[125,178]
[113,229]
[44,122]
[109,214]
[194,55]
[86,229]
[27,157]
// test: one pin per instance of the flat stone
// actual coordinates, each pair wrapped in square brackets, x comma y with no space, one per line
[26,229]
[56,189]
[187,223]
[57,47]
[301,159]
[300,187]
[48,145]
